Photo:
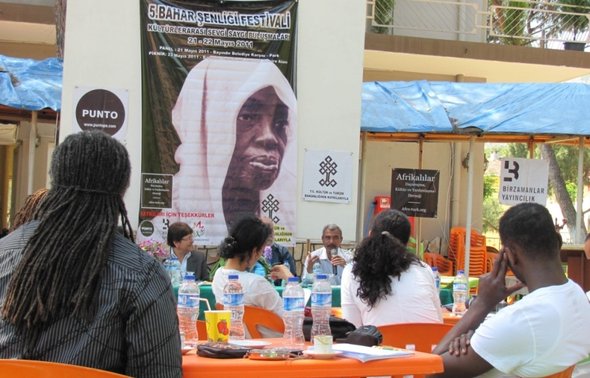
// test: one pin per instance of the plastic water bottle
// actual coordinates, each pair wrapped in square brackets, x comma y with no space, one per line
[233,300]
[188,309]
[436,277]
[294,305]
[460,293]
[283,282]
[172,266]
[321,306]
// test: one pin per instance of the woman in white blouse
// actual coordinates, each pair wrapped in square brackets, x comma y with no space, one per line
[386,283]
[241,250]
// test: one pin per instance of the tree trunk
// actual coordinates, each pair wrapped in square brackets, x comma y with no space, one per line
[60,26]
[561,194]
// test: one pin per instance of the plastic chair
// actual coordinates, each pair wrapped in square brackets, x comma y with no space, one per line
[44,369]
[422,335]
[444,265]
[567,373]
[257,317]
[254,317]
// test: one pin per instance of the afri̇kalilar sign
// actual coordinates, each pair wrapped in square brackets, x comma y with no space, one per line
[414,192]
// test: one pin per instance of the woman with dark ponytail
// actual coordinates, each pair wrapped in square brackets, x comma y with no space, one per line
[75,290]
[387,284]
[241,249]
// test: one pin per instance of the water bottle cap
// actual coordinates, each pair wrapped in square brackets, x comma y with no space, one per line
[321,276]
[293,279]
[232,277]
[460,271]
[434,269]
[189,276]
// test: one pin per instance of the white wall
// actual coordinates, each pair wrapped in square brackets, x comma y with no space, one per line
[102,48]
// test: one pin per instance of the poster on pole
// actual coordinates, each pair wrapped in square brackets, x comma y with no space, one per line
[101,109]
[523,180]
[414,192]
[327,176]
[219,116]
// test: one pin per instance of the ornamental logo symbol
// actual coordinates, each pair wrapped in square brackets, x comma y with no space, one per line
[328,168]
[270,206]
[199,229]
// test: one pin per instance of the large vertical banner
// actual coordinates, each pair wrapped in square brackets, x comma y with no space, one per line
[219,116]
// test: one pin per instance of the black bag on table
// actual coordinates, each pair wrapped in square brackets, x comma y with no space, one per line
[339,327]
[366,335]
[221,350]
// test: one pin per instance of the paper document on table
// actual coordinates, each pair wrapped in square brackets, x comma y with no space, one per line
[306,295]
[364,353]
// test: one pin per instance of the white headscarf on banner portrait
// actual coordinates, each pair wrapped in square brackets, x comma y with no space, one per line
[205,118]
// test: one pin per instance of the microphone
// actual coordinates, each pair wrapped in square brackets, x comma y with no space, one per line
[334,253]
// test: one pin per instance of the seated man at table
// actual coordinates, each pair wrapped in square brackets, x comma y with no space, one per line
[330,259]
[279,255]
[180,240]
[543,333]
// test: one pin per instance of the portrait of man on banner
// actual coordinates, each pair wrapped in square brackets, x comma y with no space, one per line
[236,119]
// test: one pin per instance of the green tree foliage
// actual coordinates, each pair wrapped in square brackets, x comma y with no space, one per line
[491,210]
[383,15]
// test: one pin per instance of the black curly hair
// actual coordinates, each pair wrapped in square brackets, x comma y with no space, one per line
[529,227]
[383,256]
[246,235]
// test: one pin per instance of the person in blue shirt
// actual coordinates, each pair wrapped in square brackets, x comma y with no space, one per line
[279,254]
[180,240]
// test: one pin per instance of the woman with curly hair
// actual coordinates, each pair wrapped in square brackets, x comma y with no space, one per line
[386,283]
[241,249]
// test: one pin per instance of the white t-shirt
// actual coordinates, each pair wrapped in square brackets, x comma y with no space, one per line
[544,333]
[413,299]
[257,290]
[325,266]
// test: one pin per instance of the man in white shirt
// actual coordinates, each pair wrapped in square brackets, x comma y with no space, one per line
[543,333]
[330,259]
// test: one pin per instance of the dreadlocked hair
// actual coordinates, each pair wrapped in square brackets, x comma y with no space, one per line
[59,272]
[25,214]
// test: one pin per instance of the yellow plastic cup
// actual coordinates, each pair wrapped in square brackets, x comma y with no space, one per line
[218,323]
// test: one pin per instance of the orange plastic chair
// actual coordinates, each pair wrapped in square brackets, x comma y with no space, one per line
[258,316]
[567,373]
[45,369]
[444,265]
[422,335]
[202,329]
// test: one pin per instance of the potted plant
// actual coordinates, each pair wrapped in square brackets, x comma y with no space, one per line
[576,24]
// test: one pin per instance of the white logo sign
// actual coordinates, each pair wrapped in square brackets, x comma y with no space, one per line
[523,180]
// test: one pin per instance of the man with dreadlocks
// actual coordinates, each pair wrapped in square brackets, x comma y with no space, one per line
[75,290]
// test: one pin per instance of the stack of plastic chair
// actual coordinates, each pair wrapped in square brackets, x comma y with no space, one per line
[477,254]
[444,265]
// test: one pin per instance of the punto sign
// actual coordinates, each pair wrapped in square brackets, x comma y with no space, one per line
[101,109]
